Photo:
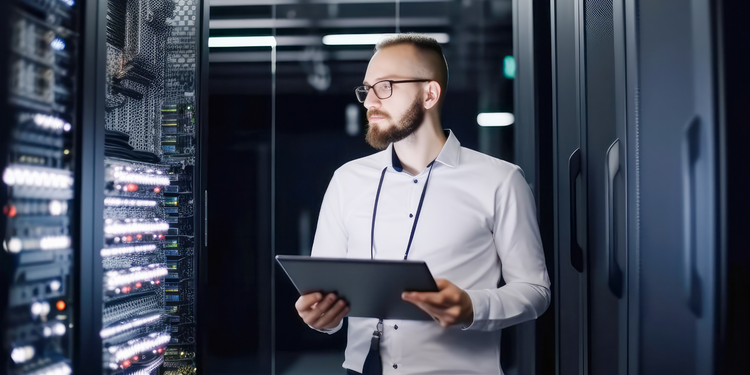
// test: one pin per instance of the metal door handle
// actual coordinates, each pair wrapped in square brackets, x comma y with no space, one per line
[690,155]
[205,217]
[574,169]
[612,166]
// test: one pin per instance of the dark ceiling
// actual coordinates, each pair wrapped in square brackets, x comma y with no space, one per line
[480,37]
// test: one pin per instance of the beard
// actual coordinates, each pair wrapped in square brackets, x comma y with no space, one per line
[407,125]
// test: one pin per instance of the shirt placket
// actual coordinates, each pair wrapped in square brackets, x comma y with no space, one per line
[415,192]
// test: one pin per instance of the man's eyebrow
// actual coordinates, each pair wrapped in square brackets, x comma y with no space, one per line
[381,79]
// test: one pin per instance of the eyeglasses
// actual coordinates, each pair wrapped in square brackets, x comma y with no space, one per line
[383,89]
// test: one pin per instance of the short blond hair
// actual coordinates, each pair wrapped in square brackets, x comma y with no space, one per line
[423,43]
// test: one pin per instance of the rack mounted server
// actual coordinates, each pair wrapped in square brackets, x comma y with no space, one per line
[100,236]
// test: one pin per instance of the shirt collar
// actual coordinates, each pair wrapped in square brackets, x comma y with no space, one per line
[449,155]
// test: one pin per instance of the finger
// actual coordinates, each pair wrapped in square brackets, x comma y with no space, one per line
[329,316]
[429,309]
[341,315]
[436,315]
[311,316]
[435,299]
[307,301]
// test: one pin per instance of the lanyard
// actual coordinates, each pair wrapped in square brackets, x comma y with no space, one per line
[416,217]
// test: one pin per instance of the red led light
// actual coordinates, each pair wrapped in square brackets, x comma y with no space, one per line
[131,187]
[161,236]
[10,210]
[139,236]
[126,364]
[160,350]
[157,190]
[126,289]
[138,285]
[60,305]
[129,239]
[157,282]
[135,358]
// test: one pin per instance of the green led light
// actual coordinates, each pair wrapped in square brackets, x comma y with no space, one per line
[509,67]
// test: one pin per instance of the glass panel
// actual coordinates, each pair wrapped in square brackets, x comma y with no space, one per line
[41,52]
[285,116]
[320,125]
[148,254]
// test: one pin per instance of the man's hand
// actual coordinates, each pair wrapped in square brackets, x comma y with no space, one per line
[451,305]
[321,313]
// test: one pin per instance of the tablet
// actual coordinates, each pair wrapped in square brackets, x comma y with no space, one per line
[372,288]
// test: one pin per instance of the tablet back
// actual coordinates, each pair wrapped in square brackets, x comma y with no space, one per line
[371,287]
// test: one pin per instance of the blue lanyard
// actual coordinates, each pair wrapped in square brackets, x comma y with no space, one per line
[416,217]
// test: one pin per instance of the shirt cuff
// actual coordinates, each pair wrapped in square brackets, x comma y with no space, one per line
[329,331]
[480,306]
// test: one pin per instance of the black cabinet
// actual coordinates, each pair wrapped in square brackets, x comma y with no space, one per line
[637,186]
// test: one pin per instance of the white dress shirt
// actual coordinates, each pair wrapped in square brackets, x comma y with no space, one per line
[478,222]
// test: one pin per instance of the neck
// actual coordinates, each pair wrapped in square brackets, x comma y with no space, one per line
[419,149]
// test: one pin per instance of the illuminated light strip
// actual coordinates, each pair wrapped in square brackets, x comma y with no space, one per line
[56,369]
[134,275]
[15,244]
[242,41]
[136,228]
[137,346]
[143,179]
[37,177]
[119,202]
[367,39]
[133,323]
[495,119]
[53,243]
[150,368]
[51,122]
[117,251]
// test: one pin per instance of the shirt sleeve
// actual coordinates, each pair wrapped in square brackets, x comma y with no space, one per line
[331,237]
[526,294]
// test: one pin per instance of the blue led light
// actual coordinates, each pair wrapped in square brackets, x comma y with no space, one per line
[69,3]
[58,44]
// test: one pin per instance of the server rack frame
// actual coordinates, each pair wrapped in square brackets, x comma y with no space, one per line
[632,184]
[90,190]
[568,142]
[200,185]
[534,154]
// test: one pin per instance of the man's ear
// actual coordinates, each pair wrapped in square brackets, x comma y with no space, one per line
[432,94]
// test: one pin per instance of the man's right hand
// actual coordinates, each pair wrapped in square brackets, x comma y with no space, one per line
[321,313]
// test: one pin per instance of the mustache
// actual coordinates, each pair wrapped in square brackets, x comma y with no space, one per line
[371,113]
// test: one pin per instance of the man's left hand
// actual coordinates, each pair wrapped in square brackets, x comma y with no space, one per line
[449,306]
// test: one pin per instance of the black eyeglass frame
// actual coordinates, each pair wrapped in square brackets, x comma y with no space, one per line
[369,87]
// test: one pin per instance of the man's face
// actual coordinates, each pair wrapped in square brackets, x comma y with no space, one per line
[397,117]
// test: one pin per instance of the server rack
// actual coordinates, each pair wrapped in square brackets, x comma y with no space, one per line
[637,186]
[40,103]
[130,135]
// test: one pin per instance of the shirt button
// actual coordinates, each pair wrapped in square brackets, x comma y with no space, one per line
[395,327]
[415,181]
[395,366]
[411,215]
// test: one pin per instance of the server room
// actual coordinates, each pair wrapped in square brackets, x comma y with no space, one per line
[192,186]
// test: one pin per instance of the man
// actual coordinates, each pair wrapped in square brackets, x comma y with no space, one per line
[476,220]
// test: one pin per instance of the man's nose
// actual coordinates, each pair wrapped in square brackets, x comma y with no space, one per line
[371,100]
